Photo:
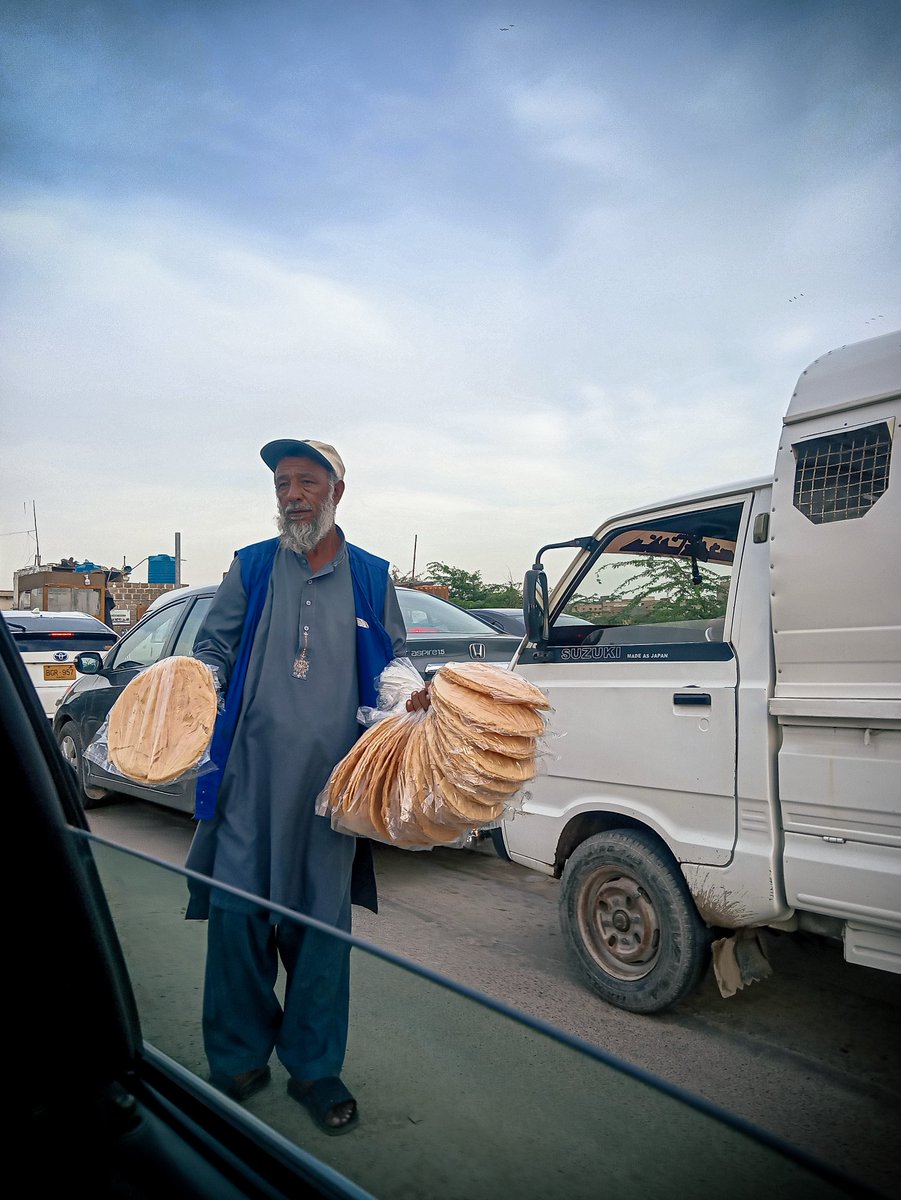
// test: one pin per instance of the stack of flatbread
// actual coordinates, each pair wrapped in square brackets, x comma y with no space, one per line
[161,725]
[419,780]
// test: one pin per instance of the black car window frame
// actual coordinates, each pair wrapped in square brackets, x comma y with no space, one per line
[109,1057]
[117,1120]
[190,626]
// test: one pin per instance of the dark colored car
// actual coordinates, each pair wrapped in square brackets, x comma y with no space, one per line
[437,632]
[460,1095]
[48,643]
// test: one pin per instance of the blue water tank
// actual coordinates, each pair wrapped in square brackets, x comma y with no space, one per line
[161,568]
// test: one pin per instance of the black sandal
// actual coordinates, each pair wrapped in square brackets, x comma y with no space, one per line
[242,1087]
[321,1098]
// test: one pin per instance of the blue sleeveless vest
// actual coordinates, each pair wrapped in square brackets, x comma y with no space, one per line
[369,576]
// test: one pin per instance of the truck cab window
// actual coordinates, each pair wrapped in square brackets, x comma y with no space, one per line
[663,581]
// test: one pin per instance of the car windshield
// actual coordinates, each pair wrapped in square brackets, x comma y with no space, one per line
[468,1092]
[512,618]
[424,613]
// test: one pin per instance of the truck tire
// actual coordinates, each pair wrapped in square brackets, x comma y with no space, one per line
[72,747]
[630,921]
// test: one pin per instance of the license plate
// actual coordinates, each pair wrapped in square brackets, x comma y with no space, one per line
[58,672]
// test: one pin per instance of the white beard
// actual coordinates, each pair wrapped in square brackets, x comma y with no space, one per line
[301,538]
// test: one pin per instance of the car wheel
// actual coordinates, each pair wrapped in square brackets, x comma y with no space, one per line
[631,923]
[71,744]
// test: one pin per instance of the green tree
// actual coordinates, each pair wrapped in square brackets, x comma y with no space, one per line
[661,588]
[465,587]
[469,589]
[503,595]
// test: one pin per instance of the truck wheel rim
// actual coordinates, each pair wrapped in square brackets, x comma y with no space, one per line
[618,924]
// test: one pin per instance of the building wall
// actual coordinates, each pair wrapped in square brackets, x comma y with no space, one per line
[433,589]
[135,598]
[131,599]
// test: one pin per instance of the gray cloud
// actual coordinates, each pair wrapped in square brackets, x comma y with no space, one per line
[519,288]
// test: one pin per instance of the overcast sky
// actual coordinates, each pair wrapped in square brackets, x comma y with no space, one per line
[524,264]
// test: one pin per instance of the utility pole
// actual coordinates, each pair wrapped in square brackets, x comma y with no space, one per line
[413,572]
[178,560]
[37,544]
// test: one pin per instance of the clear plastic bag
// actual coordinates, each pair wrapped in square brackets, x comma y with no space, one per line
[415,780]
[360,794]
[394,686]
[161,725]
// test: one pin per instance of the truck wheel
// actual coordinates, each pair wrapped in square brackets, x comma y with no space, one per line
[631,923]
[72,746]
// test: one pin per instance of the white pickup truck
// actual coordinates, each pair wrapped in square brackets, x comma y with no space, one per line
[724,749]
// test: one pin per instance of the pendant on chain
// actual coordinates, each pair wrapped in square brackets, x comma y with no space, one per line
[302,663]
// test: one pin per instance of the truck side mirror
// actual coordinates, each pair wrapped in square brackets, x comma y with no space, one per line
[535,604]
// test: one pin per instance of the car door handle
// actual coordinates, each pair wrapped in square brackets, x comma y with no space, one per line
[693,698]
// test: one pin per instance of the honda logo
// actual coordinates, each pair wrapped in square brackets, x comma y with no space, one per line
[476,650]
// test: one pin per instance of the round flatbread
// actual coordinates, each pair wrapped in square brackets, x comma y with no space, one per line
[473,768]
[483,711]
[161,725]
[459,786]
[419,828]
[499,766]
[472,809]
[413,782]
[491,680]
[511,744]
[383,802]
[343,791]
[433,813]
[426,796]
[356,778]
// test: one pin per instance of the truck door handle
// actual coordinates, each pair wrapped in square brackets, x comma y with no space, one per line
[691,698]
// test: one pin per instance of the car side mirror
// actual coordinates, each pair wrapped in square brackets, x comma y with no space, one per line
[535,604]
[88,662]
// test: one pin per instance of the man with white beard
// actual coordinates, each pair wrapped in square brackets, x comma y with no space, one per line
[298,632]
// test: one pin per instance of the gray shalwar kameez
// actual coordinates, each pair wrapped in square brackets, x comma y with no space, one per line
[265,837]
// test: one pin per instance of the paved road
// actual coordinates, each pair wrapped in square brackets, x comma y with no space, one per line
[812,1054]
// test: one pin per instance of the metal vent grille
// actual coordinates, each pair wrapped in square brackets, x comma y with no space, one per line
[841,476]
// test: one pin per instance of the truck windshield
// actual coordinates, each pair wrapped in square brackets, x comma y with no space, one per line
[666,579]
